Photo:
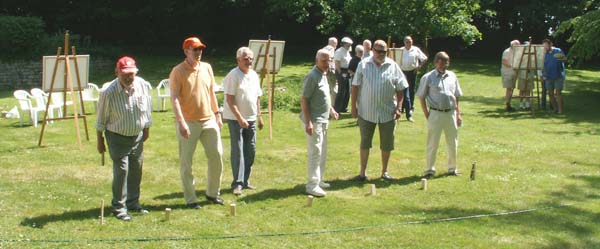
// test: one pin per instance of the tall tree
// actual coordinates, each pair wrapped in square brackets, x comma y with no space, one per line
[423,19]
[584,35]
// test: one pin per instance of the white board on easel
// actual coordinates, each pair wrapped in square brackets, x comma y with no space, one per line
[396,55]
[522,50]
[277,46]
[48,63]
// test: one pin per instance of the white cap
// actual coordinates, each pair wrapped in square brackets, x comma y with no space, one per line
[347,40]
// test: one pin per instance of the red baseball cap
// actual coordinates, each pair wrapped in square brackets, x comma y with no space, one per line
[127,65]
[193,42]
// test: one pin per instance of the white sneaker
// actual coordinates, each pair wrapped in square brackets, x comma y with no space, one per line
[324,185]
[317,192]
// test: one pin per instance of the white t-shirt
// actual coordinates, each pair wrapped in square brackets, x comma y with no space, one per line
[508,56]
[343,56]
[246,89]
[412,58]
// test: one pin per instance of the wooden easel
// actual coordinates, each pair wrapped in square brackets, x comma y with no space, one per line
[264,73]
[67,76]
[530,52]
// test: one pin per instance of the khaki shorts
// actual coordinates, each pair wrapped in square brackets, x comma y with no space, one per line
[386,134]
[509,81]
[525,85]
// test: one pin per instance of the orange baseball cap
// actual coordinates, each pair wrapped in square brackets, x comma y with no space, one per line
[193,42]
[126,64]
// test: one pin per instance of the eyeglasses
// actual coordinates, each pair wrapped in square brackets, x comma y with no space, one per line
[383,51]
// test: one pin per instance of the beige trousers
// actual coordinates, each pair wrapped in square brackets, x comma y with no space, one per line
[209,135]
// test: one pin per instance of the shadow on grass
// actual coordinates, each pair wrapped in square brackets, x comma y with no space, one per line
[337,184]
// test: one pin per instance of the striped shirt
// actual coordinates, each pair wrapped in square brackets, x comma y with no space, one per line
[440,90]
[124,113]
[378,86]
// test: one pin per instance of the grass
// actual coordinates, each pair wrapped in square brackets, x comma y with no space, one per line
[50,195]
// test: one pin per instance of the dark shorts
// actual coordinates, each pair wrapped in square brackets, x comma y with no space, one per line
[386,134]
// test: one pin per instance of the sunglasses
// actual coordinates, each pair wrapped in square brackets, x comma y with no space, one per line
[380,51]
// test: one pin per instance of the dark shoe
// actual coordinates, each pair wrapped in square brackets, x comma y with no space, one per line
[428,175]
[215,200]
[194,205]
[237,190]
[123,216]
[139,209]
[360,178]
[250,187]
[386,177]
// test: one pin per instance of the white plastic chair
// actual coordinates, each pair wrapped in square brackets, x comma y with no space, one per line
[25,105]
[149,88]
[90,94]
[163,92]
[41,99]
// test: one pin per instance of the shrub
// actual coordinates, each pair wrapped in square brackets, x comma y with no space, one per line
[21,36]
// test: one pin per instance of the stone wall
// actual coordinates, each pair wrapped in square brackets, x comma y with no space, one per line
[28,74]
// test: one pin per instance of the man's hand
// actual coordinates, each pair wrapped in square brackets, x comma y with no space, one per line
[146,134]
[243,123]
[397,114]
[309,128]
[219,121]
[100,146]
[184,130]
[335,115]
[261,124]
[458,120]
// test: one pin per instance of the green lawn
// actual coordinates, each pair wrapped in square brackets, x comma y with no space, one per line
[543,165]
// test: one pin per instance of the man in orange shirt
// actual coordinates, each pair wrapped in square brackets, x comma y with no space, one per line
[197,118]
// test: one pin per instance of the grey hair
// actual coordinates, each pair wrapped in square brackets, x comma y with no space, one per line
[323,51]
[380,43]
[367,41]
[332,40]
[243,50]
[359,48]
[407,37]
[514,42]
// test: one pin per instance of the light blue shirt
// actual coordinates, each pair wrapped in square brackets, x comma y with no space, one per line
[440,90]
[378,86]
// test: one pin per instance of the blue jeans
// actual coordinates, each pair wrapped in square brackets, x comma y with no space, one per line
[243,149]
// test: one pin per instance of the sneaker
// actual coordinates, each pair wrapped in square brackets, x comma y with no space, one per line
[386,176]
[123,216]
[454,172]
[428,175]
[359,178]
[139,209]
[317,192]
[194,205]
[324,185]
[237,190]
[248,186]
[215,200]
[410,119]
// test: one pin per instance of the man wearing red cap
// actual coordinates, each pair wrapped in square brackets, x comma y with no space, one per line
[124,116]
[197,119]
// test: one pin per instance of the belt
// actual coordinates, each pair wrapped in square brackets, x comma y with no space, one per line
[440,110]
